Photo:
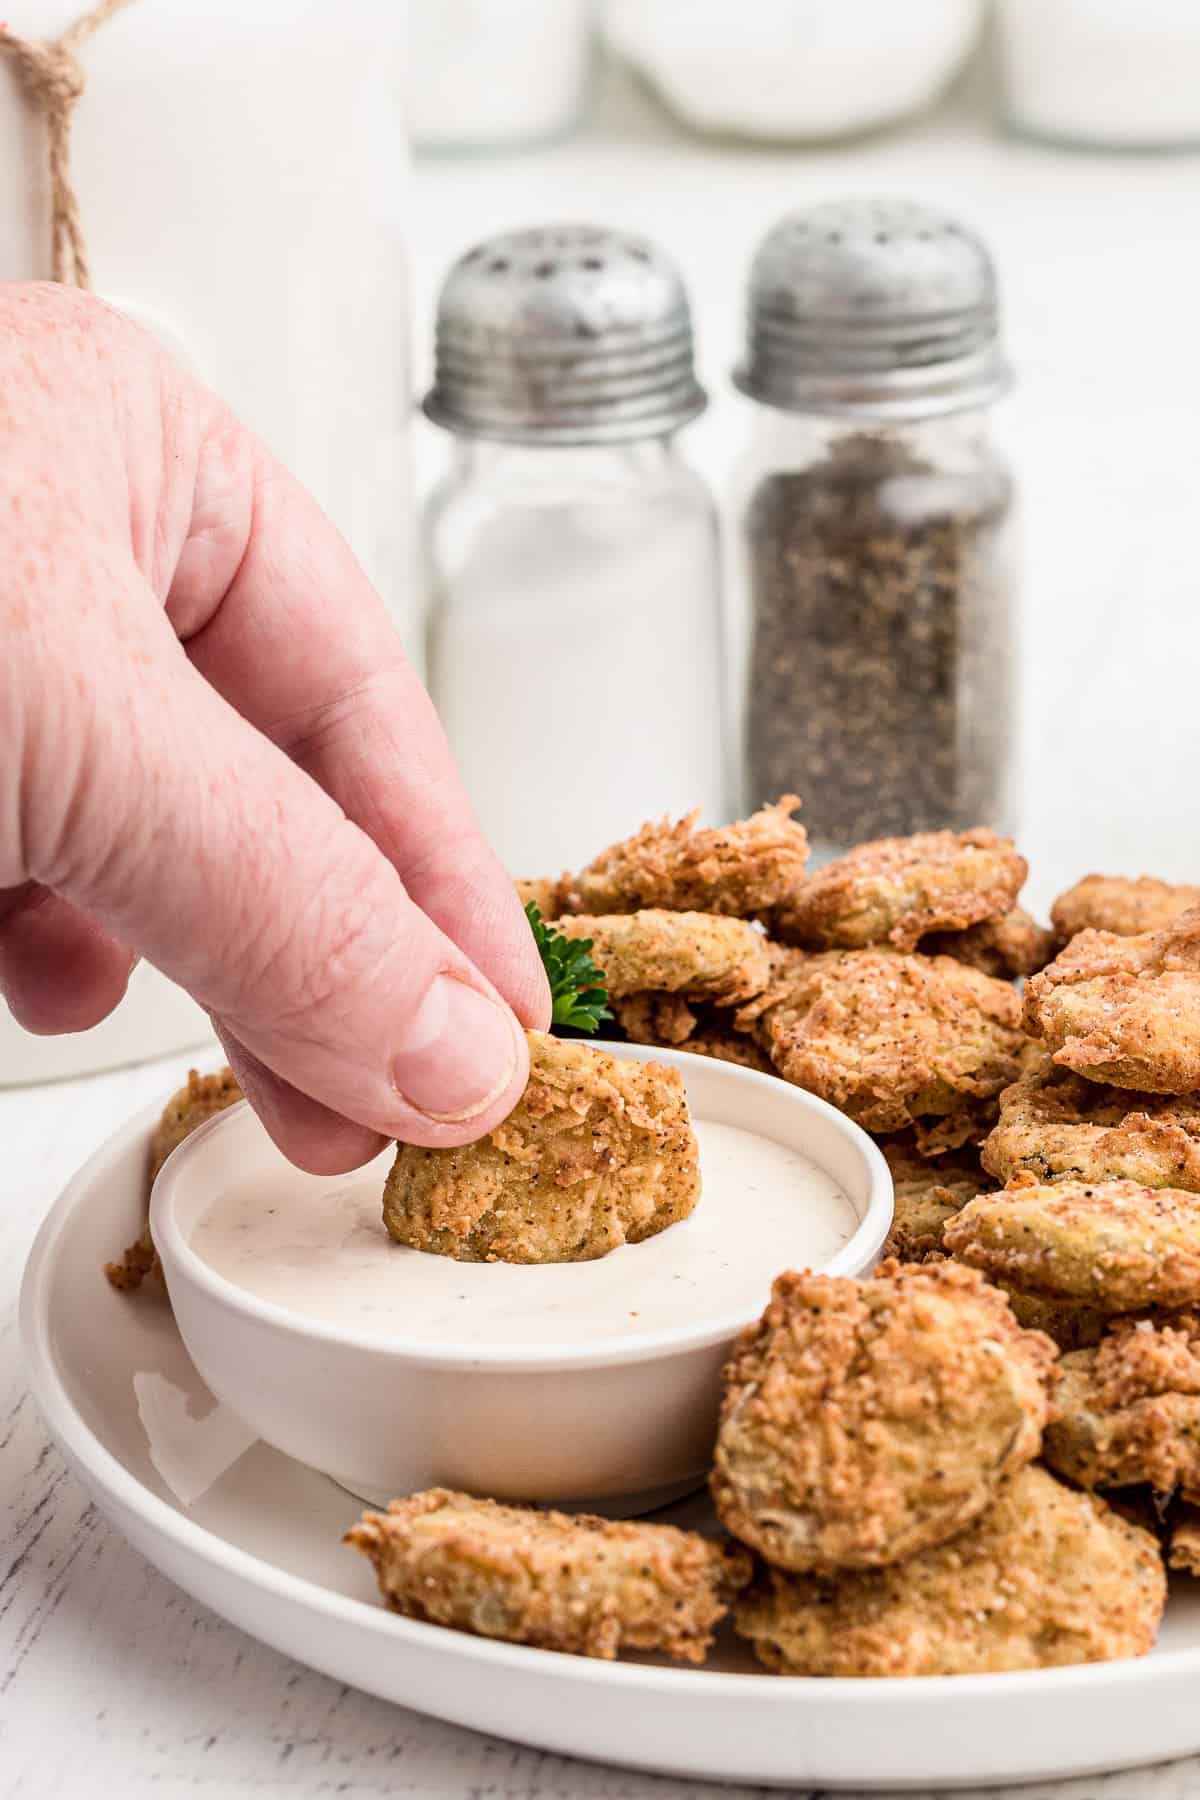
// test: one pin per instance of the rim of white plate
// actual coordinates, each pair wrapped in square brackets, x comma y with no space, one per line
[855,1254]
[124,1490]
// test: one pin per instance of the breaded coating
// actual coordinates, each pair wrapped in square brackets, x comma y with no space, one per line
[661,1020]
[548,896]
[887,1038]
[1008,947]
[1059,1125]
[700,955]
[964,1129]
[668,1020]
[1129,1410]
[202,1098]
[1047,1576]
[596,1153]
[1118,904]
[1183,1541]
[742,869]
[1114,1245]
[1070,1323]
[728,1046]
[1124,1010]
[865,1420]
[929,1192]
[896,890]
[590,1586]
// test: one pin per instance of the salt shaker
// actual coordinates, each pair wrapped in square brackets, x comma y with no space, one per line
[575,632]
[874,516]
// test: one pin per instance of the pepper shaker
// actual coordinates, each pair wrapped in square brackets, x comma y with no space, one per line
[575,634]
[875,515]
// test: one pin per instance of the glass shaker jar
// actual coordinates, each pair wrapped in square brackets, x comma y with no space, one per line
[575,630]
[875,517]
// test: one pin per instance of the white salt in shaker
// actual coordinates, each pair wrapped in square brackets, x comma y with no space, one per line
[575,630]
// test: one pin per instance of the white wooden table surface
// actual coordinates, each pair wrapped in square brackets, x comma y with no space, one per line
[113,1682]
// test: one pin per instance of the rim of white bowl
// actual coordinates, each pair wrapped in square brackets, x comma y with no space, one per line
[122,1489]
[855,1254]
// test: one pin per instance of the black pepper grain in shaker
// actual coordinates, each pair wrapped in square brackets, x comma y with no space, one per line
[881,663]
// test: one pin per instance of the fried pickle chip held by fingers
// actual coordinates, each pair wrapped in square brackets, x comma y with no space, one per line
[896,890]
[1129,1410]
[201,1099]
[702,956]
[1124,1010]
[1006,947]
[589,1586]
[742,869]
[889,1039]
[597,1153]
[1059,1125]
[1046,1576]
[929,1192]
[1113,1245]
[1120,905]
[865,1420]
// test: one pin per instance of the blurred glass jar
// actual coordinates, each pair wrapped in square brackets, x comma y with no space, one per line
[1107,74]
[484,74]
[875,517]
[241,173]
[795,69]
[575,631]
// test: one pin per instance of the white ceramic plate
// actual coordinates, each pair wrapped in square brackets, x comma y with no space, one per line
[261,1546]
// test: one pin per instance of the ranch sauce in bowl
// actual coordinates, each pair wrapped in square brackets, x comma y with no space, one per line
[320,1249]
[592,1384]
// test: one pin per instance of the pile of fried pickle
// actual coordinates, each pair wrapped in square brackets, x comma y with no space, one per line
[983,1457]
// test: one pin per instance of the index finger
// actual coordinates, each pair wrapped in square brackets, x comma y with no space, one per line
[279,617]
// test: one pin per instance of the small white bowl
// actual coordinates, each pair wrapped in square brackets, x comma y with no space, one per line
[620,1423]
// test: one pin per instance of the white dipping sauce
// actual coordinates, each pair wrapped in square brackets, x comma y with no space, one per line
[320,1249]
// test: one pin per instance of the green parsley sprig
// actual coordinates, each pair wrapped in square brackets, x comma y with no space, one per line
[576,984]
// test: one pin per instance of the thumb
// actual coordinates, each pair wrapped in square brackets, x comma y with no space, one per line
[195,841]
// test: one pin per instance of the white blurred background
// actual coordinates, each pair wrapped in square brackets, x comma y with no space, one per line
[1098,252]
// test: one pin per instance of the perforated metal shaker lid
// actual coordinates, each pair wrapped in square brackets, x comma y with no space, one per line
[872,308]
[565,334]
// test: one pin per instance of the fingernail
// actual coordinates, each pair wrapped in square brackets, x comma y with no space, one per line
[459,1054]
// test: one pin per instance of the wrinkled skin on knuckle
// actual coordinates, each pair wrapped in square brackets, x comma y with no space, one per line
[97,442]
[311,968]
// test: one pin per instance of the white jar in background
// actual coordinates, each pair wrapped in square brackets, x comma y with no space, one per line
[488,73]
[241,175]
[1109,74]
[795,69]
[575,628]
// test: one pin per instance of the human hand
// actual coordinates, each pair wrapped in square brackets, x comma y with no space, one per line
[214,754]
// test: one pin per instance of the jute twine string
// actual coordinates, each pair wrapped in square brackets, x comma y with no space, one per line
[53,77]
